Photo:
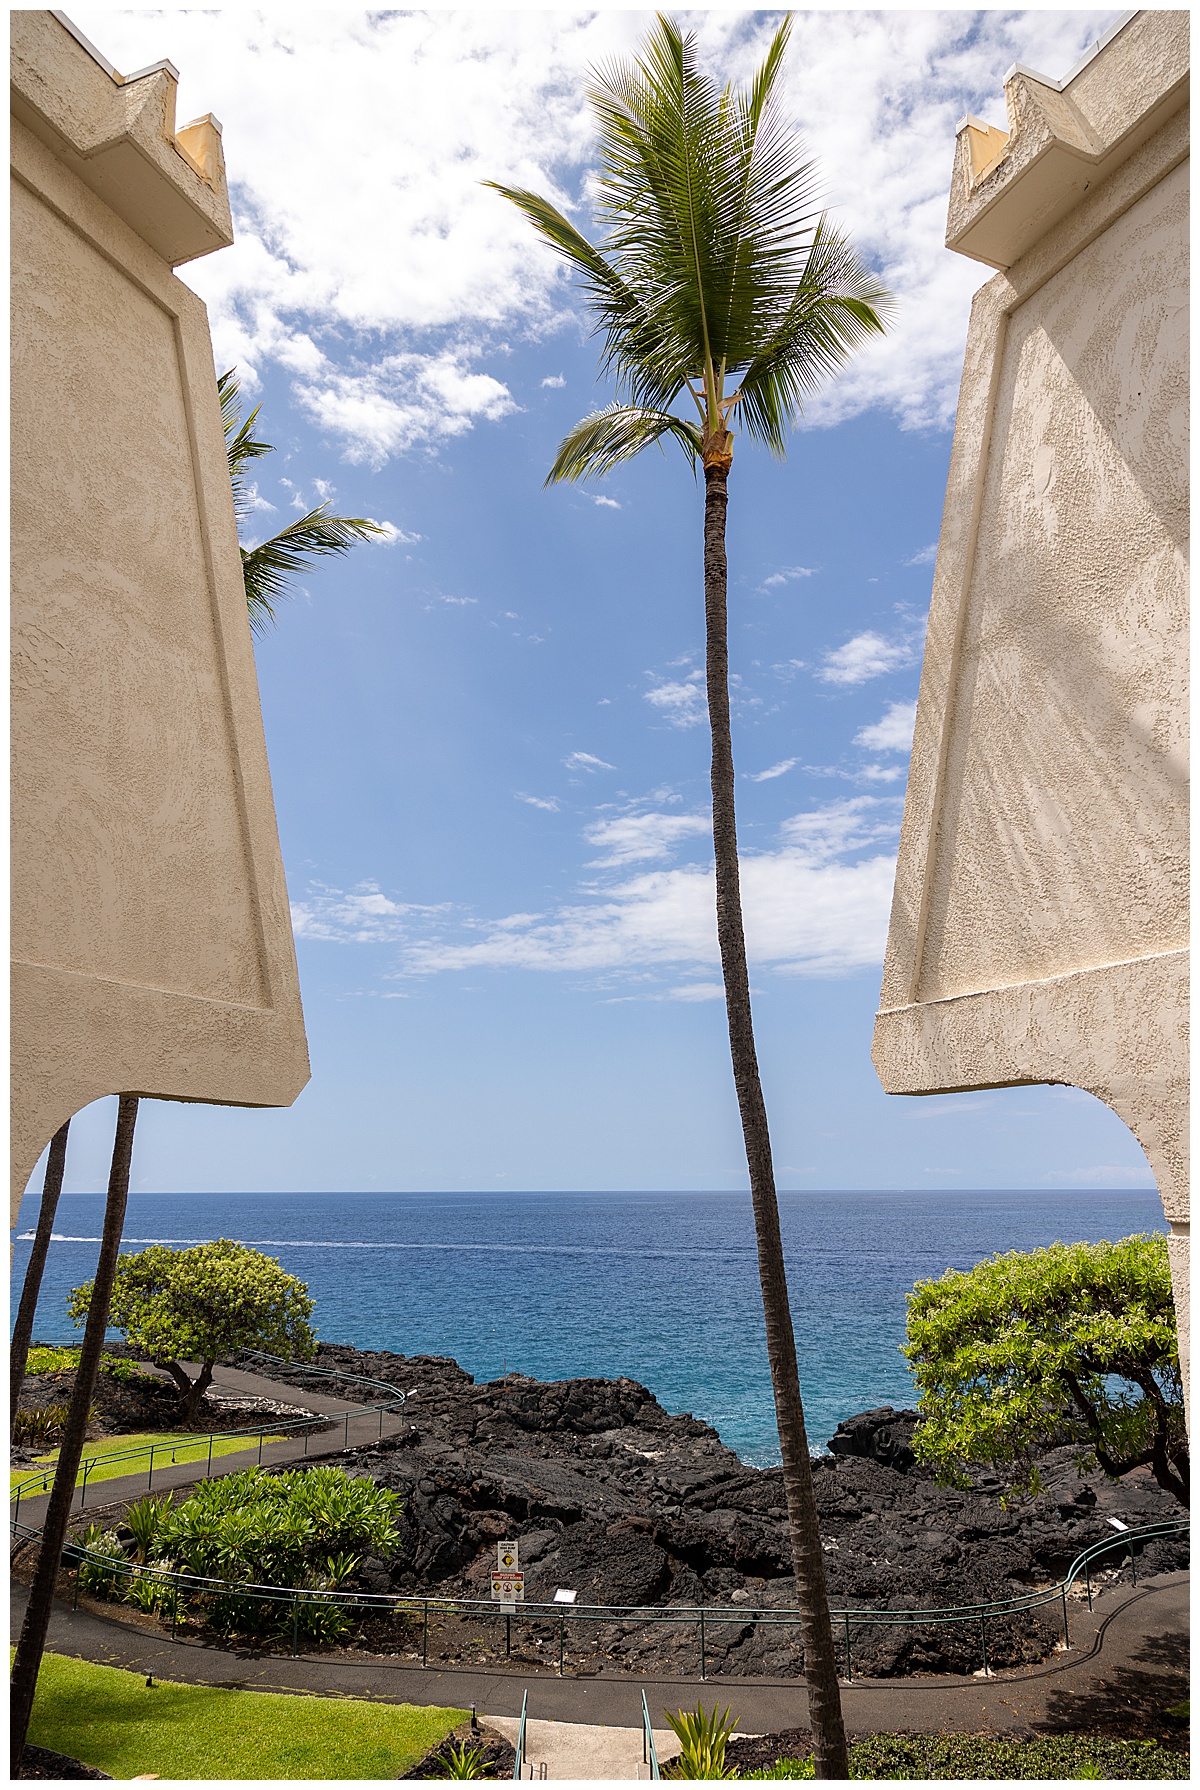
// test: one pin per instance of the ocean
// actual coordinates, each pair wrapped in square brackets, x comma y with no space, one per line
[662,1287]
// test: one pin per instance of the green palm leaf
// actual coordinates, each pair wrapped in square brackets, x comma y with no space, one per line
[269,568]
[606,437]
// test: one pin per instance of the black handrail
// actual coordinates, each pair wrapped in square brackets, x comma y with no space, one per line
[35,1486]
[396,1603]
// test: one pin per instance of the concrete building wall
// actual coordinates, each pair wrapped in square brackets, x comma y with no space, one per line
[1039,923]
[151,939]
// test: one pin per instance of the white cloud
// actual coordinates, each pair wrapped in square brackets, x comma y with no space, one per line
[776,770]
[682,702]
[607,503]
[893,732]
[546,802]
[818,904]
[786,575]
[555,380]
[1104,1174]
[697,991]
[392,536]
[375,230]
[585,761]
[925,557]
[458,602]
[362,916]
[867,655]
[634,837]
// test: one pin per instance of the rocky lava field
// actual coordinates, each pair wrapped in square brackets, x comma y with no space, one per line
[612,1497]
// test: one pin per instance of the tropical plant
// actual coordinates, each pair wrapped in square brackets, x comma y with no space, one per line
[145,1521]
[102,1544]
[198,1304]
[458,1759]
[703,1736]
[35,1429]
[1076,1342]
[719,282]
[269,567]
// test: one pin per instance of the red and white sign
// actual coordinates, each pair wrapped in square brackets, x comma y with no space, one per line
[508,1587]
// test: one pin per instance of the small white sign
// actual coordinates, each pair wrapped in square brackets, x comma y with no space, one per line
[1117,1523]
[565,1597]
[508,1556]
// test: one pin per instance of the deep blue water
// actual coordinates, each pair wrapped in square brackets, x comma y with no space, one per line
[660,1286]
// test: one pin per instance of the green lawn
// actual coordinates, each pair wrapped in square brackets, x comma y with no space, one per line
[110,1720]
[167,1448]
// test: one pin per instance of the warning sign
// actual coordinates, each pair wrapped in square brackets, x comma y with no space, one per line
[508,1588]
[507,1556]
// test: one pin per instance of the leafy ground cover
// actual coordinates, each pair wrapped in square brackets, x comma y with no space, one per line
[109,1719]
[940,1757]
[167,1449]
[44,1359]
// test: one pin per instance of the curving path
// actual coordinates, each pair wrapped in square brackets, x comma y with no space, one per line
[354,1432]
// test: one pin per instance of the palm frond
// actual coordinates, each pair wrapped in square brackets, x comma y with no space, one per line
[600,441]
[837,305]
[269,568]
[240,444]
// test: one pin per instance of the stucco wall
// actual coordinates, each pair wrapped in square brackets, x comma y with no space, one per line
[152,947]
[1039,924]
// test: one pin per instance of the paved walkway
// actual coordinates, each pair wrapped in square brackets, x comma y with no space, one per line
[1133,1645]
[352,1432]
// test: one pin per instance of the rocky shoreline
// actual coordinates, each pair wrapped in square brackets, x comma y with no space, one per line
[618,1500]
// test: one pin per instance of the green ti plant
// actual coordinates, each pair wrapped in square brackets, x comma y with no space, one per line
[703,1737]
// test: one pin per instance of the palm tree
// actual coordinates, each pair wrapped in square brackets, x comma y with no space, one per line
[719,281]
[268,568]
[22,1335]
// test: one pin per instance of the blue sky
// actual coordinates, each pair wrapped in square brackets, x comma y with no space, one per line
[487,736]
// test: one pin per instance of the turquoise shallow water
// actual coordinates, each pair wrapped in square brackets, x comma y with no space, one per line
[660,1286]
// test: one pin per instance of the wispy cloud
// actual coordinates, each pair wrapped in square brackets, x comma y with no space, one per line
[868,655]
[818,904]
[634,837]
[925,557]
[363,915]
[547,802]
[1102,1174]
[893,732]
[606,503]
[555,380]
[586,761]
[776,770]
[787,575]
[681,701]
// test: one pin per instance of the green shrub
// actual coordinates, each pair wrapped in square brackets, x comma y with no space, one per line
[938,1757]
[459,1760]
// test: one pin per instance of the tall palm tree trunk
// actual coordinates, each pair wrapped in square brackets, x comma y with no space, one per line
[820,1662]
[22,1336]
[54,1529]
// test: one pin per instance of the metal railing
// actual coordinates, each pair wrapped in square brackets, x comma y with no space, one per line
[649,1750]
[184,1586]
[519,1761]
[35,1485]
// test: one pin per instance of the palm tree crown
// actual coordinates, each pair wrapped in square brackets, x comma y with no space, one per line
[269,568]
[716,265]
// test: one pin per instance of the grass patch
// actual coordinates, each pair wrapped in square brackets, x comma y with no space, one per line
[167,1450]
[938,1757]
[109,1719]
[44,1359]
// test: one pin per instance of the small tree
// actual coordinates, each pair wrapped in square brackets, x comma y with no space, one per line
[198,1304]
[1073,1342]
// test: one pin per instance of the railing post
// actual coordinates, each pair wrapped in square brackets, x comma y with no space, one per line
[381,1423]
[562,1635]
[425,1637]
[346,1442]
[983,1642]
[83,1488]
[1087,1573]
[208,1475]
[703,1673]
[1066,1629]
[150,1474]
[260,1443]
[849,1673]
[1132,1563]
[295,1625]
